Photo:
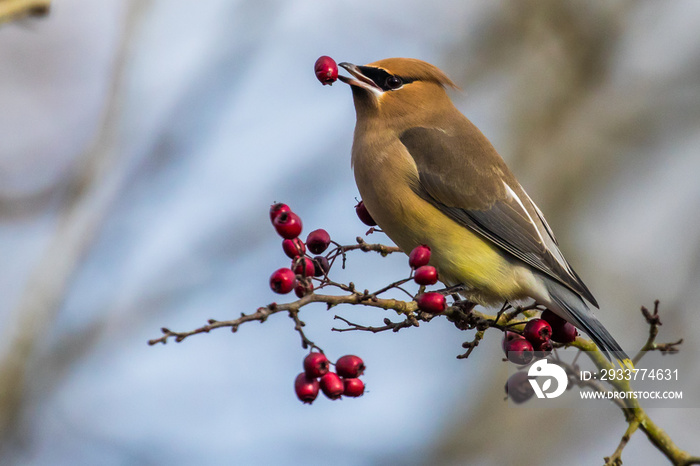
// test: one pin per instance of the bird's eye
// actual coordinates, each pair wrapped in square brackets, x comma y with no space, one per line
[393,82]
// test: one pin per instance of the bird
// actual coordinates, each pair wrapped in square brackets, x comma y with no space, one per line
[429,176]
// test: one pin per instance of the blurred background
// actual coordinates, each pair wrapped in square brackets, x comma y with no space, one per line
[142,142]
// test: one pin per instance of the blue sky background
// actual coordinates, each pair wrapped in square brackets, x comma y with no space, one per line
[143,142]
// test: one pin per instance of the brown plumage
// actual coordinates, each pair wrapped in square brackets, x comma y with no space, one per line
[429,176]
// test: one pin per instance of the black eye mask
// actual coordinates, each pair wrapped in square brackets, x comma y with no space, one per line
[386,81]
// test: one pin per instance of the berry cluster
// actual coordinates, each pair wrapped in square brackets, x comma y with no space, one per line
[431,302]
[298,277]
[535,341]
[317,376]
[307,264]
[537,338]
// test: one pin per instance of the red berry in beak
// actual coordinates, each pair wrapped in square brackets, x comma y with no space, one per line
[306,388]
[326,70]
[332,385]
[282,281]
[318,241]
[419,257]
[364,215]
[350,366]
[287,224]
[316,365]
[293,247]
[426,275]
[353,388]
[276,209]
[431,302]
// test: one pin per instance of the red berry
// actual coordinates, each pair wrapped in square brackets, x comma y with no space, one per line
[293,247]
[306,388]
[288,225]
[565,334]
[303,288]
[353,387]
[326,70]
[282,281]
[316,365]
[426,275]
[321,266]
[510,336]
[303,266]
[519,351]
[318,241]
[431,302]
[518,387]
[419,257]
[364,215]
[543,349]
[562,331]
[537,331]
[350,366]
[332,385]
[278,208]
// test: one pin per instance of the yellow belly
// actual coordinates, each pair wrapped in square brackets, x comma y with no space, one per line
[461,256]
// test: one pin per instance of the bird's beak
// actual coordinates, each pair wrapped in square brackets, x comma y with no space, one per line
[358,79]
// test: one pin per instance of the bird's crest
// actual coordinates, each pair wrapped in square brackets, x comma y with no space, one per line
[414,69]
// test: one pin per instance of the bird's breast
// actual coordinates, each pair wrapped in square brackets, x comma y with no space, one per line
[386,176]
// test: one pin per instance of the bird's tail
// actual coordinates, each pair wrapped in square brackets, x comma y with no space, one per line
[571,306]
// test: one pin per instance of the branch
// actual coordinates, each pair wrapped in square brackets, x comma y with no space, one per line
[262,313]
[616,458]
[410,321]
[470,345]
[11,10]
[362,246]
[654,322]
[465,317]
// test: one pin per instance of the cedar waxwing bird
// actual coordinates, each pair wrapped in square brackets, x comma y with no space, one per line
[427,175]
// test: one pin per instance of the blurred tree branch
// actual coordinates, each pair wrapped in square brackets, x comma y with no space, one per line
[11,10]
[91,192]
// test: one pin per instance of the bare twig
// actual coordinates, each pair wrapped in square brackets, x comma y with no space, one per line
[298,326]
[470,345]
[400,307]
[616,458]
[396,284]
[410,321]
[654,322]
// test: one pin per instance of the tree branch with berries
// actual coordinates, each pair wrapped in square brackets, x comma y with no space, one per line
[529,332]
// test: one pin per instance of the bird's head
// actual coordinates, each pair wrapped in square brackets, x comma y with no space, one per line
[396,87]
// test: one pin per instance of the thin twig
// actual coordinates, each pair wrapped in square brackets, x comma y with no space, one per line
[654,322]
[410,321]
[262,313]
[616,458]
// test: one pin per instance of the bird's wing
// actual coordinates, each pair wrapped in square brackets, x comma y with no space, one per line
[462,175]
